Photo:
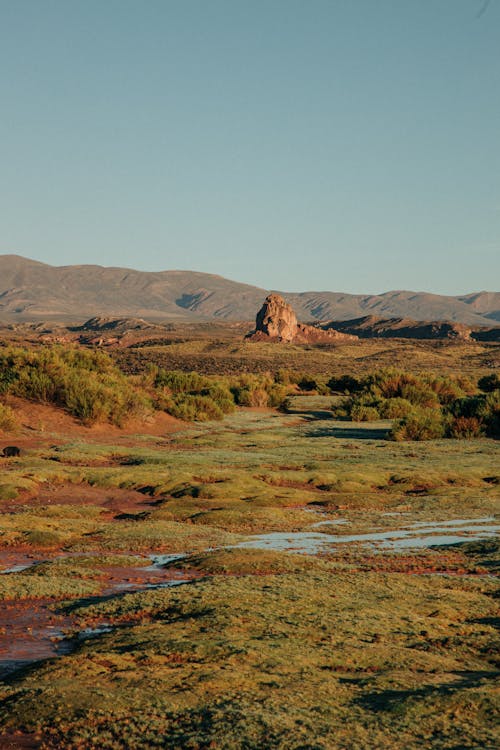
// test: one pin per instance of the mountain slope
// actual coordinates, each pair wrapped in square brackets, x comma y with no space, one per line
[31,290]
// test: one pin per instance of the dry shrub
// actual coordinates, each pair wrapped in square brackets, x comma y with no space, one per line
[7,418]
[465,427]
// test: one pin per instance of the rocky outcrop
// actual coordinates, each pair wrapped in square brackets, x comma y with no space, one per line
[276,321]
[370,326]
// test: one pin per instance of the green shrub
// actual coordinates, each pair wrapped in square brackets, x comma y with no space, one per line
[177,381]
[341,409]
[419,394]
[395,408]
[448,390]
[283,377]
[420,424]
[87,384]
[256,397]
[276,395]
[222,396]
[362,413]
[485,408]
[307,383]
[195,408]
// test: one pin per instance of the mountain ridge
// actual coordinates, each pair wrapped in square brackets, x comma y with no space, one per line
[32,290]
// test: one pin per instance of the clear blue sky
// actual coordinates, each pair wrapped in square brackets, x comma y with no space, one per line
[348,145]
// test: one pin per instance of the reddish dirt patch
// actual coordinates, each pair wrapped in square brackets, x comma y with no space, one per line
[29,631]
[44,424]
[10,559]
[114,500]
[19,741]
[117,578]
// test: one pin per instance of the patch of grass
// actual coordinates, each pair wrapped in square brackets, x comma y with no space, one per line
[249,562]
[63,578]
[380,660]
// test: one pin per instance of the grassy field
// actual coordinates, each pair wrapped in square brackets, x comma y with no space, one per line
[229,355]
[360,645]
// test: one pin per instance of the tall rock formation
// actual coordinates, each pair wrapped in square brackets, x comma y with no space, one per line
[276,321]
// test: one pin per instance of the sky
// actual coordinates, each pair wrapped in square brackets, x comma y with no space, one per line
[342,145]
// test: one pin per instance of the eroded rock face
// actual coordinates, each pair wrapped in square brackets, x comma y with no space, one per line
[276,321]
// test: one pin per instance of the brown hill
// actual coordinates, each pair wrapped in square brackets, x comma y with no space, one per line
[371,326]
[30,290]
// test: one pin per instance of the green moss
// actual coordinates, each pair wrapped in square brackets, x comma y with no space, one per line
[309,659]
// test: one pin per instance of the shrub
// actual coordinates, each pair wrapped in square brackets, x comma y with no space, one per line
[341,409]
[286,405]
[276,395]
[306,383]
[283,377]
[362,413]
[345,384]
[420,424]
[489,383]
[195,408]
[395,408]
[484,407]
[465,427]
[7,418]
[177,381]
[448,390]
[419,394]
[87,384]
[222,396]
[256,397]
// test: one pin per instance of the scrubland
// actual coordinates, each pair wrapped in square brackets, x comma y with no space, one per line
[358,644]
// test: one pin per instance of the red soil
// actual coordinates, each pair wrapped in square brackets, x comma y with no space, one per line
[43,424]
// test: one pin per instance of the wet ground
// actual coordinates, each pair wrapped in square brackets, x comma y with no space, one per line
[413,536]
[32,630]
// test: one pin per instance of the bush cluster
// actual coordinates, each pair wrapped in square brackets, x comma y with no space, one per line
[190,396]
[85,383]
[425,406]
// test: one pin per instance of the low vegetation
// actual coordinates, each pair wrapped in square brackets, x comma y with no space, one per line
[424,406]
[89,385]
[352,645]
[85,383]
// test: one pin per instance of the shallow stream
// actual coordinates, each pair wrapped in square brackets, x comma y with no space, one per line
[31,630]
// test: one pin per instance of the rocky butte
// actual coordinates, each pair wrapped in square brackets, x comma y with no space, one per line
[276,321]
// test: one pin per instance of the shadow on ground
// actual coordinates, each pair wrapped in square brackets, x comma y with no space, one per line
[390,700]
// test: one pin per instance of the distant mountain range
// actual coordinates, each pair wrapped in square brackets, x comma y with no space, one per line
[30,290]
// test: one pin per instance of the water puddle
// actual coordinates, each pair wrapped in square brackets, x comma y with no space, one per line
[417,535]
[471,522]
[32,631]
[15,562]
[29,632]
